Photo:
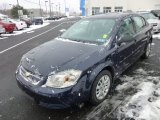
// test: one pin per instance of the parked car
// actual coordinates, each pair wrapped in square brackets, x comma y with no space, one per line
[84,62]
[153,20]
[19,24]
[2,29]
[156,13]
[53,18]
[27,21]
[9,27]
[37,21]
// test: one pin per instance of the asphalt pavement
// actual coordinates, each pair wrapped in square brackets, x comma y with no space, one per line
[16,105]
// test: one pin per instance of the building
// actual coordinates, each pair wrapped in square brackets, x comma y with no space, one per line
[82,7]
[104,6]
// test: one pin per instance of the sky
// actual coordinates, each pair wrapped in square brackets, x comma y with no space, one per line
[73,5]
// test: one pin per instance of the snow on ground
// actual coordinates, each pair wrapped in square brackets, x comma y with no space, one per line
[137,97]
[62,30]
[71,16]
[31,28]
[1,38]
[156,36]
[144,104]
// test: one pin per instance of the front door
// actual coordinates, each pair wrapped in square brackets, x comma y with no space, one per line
[124,54]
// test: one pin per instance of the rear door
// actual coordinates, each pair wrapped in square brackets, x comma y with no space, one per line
[124,54]
[142,35]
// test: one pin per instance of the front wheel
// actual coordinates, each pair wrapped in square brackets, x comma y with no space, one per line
[147,51]
[101,87]
[11,32]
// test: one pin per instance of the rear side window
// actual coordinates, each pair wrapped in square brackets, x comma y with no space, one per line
[144,22]
[139,23]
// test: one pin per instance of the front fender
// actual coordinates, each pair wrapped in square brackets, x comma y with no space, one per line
[92,74]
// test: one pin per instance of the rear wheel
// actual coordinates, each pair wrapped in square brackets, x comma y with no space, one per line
[147,51]
[101,87]
[16,28]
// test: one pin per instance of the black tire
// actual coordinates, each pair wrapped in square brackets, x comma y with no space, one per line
[17,29]
[146,54]
[11,32]
[93,98]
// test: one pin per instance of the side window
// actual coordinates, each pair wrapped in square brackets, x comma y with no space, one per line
[139,23]
[126,29]
[144,22]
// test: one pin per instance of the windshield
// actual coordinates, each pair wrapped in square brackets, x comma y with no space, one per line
[149,16]
[91,30]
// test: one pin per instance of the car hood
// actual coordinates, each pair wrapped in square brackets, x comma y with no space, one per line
[59,55]
[151,21]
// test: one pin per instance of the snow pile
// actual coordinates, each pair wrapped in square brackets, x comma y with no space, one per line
[31,28]
[145,103]
[1,38]
[71,16]
[156,36]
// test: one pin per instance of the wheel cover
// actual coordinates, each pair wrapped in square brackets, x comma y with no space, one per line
[102,87]
[148,50]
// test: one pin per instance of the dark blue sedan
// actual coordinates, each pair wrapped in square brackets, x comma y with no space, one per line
[37,21]
[83,63]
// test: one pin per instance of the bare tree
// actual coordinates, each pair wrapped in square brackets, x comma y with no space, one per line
[4,7]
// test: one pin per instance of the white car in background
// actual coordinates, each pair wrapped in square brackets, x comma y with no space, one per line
[153,20]
[19,24]
[2,30]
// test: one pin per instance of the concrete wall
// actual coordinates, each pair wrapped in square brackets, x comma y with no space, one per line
[142,5]
[133,5]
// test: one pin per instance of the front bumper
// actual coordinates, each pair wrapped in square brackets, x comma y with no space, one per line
[55,98]
[156,28]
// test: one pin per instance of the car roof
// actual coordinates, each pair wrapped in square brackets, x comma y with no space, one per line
[143,12]
[113,15]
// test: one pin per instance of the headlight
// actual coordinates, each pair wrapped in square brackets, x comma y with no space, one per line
[63,79]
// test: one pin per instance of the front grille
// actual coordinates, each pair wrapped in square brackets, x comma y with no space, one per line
[29,76]
[154,24]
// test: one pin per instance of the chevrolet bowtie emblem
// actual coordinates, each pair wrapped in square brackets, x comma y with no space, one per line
[27,74]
